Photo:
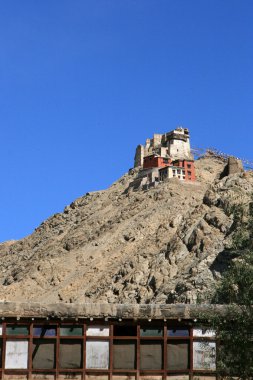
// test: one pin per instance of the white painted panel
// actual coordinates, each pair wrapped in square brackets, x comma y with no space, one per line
[1,329]
[16,356]
[97,355]
[203,333]
[204,355]
[97,331]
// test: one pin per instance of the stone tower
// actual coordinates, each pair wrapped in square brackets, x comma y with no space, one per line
[174,145]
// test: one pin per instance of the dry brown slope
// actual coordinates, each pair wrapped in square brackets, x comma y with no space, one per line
[162,245]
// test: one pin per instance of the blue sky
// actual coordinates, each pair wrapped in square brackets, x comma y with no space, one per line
[83,82]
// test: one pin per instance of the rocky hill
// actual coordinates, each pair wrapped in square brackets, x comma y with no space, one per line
[165,245]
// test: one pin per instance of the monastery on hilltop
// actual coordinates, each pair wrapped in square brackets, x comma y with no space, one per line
[165,156]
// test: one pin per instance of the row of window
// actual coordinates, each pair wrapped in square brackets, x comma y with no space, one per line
[97,355]
[118,330]
[178,171]
[120,348]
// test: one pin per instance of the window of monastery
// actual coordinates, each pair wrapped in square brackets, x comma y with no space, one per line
[43,353]
[124,354]
[106,351]
[151,357]
[16,354]
[178,332]
[204,352]
[42,331]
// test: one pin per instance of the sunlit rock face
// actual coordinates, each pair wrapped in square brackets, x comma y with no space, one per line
[165,245]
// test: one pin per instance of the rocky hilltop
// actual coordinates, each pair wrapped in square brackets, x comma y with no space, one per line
[166,244]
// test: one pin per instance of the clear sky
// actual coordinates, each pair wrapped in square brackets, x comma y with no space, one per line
[82,82]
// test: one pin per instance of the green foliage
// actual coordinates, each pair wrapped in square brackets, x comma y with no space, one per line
[235,330]
[236,286]
[235,351]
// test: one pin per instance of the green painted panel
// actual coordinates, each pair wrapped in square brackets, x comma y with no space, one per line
[71,331]
[17,330]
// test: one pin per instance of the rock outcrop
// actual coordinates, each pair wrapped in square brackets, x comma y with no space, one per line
[168,244]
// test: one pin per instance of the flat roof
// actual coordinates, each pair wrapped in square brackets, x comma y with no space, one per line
[103,310]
